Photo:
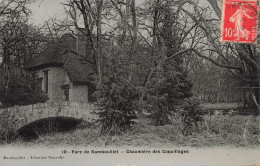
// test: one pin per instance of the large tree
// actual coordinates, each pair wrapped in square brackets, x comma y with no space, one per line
[19,42]
[241,59]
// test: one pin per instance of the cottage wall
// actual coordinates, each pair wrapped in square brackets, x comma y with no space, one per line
[80,93]
[39,74]
[56,77]
[71,88]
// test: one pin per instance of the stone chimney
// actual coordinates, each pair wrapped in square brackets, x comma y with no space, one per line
[68,40]
[81,41]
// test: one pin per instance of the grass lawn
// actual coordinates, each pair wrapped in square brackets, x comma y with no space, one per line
[213,131]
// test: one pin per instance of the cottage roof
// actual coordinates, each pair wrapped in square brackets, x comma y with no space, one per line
[59,55]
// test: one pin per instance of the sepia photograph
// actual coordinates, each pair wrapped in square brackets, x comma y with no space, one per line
[129,83]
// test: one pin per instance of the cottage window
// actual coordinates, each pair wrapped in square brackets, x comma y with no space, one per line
[46,81]
[33,75]
[66,91]
[39,82]
[66,94]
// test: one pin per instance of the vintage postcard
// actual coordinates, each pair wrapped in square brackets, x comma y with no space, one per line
[129,83]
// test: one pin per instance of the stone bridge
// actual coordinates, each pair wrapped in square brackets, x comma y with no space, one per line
[20,116]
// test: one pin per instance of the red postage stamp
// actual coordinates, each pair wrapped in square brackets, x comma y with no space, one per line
[239,21]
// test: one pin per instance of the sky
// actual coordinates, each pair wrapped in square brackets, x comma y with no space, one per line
[42,10]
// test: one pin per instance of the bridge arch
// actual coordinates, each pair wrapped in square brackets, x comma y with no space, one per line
[24,119]
[48,125]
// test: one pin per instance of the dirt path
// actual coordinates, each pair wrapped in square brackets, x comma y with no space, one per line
[168,156]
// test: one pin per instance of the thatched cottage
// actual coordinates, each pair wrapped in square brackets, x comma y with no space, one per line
[61,73]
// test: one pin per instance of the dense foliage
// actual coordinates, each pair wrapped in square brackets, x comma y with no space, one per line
[23,90]
[191,115]
[116,102]
[116,99]
[19,42]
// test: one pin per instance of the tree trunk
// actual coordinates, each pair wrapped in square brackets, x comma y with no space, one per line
[247,59]
[258,82]
[154,47]
[257,94]
[134,36]
[99,48]
[7,68]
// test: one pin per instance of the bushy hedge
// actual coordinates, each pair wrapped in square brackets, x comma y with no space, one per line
[7,132]
[22,90]
[220,130]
